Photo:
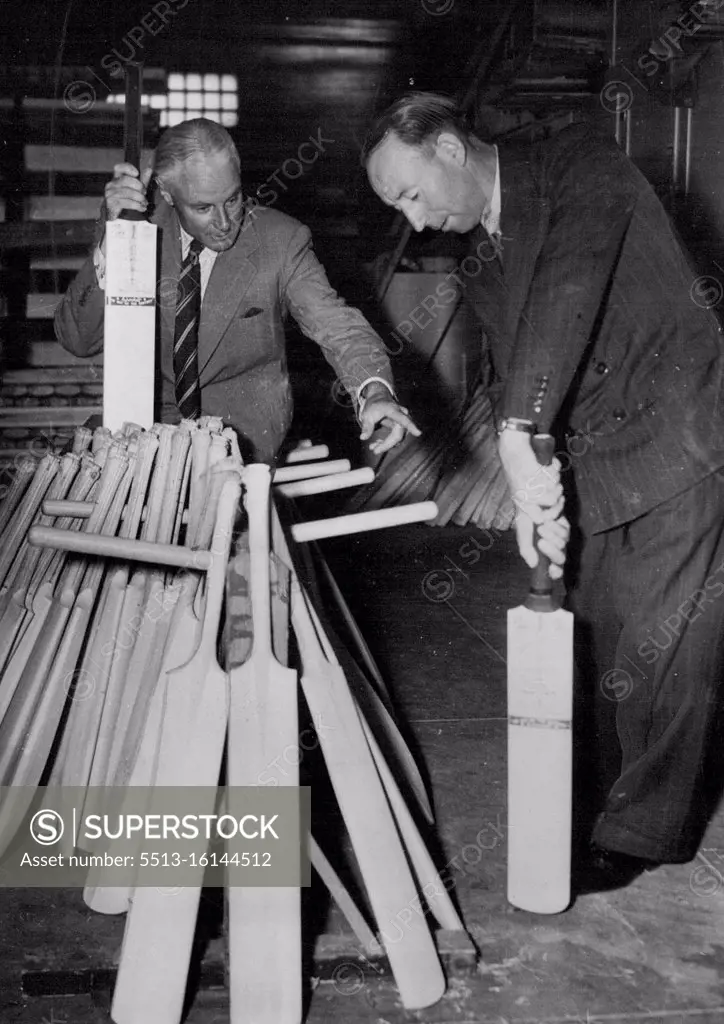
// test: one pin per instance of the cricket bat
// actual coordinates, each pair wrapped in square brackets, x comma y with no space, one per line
[265,927]
[381,858]
[129,323]
[425,871]
[158,938]
[540,705]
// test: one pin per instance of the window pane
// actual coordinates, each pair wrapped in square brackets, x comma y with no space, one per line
[159,102]
[228,83]
[175,116]
[229,101]
[175,81]
[211,82]
[176,99]
[193,81]
[228,118]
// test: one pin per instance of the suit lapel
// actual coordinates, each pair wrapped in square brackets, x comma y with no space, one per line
[232,273]
[524,221]
[501,289]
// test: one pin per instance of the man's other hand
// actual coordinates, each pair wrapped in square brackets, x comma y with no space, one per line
[553,536]
[538,497]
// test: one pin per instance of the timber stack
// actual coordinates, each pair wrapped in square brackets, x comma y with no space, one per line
[454,464]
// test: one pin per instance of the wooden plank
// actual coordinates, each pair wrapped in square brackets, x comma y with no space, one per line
[74,128]
[73,263]
[65,416]
[76,158]
[62,207]
[46,234]
[38,305]
[58,183]
[41,305]
[25,347]
[80,374]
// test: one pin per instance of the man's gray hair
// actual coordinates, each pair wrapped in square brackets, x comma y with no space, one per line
[188,139]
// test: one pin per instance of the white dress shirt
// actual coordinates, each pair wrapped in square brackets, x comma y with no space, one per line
[491,215]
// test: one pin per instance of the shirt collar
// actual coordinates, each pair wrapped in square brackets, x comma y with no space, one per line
[491,215]
[186,240]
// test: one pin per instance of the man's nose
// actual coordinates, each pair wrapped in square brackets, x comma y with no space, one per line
[416,219]
[415,216]
[222,219]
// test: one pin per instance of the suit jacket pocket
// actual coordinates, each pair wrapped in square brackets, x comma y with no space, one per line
[250,340]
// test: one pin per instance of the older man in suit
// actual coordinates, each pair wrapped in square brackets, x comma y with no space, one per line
[248,268]
[596,333]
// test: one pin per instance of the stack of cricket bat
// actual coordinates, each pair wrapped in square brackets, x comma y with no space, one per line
[109,676]
[84,640]
[456,466]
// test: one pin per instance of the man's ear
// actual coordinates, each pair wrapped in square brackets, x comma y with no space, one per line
[451,148]
[164,193]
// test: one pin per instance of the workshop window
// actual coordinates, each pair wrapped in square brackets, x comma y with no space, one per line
[194,95]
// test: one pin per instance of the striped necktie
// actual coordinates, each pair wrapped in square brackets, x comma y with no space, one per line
[186,334]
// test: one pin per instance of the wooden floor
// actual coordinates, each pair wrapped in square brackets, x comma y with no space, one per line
[652,953]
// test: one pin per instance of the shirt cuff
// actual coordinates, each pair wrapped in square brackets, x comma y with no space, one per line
[361,402]
[99,262]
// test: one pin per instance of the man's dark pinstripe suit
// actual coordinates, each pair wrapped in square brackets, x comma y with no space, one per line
[597,332]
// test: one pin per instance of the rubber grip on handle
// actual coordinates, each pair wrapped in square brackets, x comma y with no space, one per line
[133,125]
[540,597]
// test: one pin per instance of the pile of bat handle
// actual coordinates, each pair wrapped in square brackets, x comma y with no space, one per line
[296,479]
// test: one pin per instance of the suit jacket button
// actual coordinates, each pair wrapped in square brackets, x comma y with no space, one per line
[601,368]
[619,414]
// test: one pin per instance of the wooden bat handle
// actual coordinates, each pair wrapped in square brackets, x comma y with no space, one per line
[308,453]
[63,507]
[257,480]
[301,472]
[540,596]
[378,519]
[120,547]
[324,484]
[133,125]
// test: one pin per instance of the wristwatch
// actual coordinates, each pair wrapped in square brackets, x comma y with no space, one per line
[514,423]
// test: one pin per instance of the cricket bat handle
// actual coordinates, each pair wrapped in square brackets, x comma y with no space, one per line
[133,125]
[100,545]
[360,522]
[540,595]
